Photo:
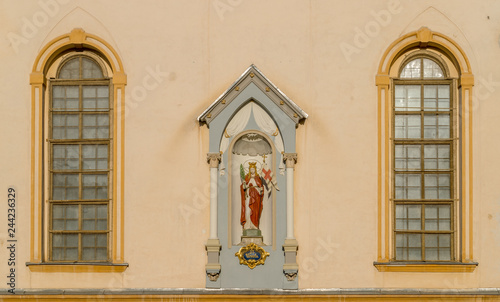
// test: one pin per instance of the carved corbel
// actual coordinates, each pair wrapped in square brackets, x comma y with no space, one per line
[213,276]
[213,266]
[290,276]
[290,267]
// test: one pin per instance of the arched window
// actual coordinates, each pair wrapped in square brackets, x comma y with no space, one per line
[425,199]
[425,162]
[77,156]
[79,161]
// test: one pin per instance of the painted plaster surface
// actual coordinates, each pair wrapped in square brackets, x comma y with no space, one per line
[179,56]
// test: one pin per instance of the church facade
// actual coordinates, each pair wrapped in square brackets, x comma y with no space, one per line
[250,150]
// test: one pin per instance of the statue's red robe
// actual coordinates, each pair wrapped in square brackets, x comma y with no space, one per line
[255,203]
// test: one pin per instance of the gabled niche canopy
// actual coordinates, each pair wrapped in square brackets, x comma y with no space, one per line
[253,75]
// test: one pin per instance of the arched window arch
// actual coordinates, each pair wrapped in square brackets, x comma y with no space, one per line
[77,156]
[425,147]
[81,67]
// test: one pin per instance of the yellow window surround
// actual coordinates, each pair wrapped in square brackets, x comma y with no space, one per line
[76,39]
[424,39]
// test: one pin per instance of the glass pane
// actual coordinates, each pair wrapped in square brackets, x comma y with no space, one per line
[70,70]
[102,254]
[437,157]
[57,224]
[437,126]
[437,97]
[91,70]
[88,254]
[91,218]
[71,240]
[88,240]
[57,240]
[65,247]
[407,126]
[407,98]
[95,191]
[444,240]
[95,157]
[102,240]
[71,254]
[65,217]
[437,217]
[408,217]
[65,98]
[58,92]
[437,186]
[57,254]
[94,247]
[95,98]
[95,186]
[437,247]
[408,186]
[71,225]
[102,211]
[65,186]
[65,126]
[88,212]
[65,157]
[102,192]
[102,225]
[407,157]
[58,194]
[71,193]
[432,69]
[408,247]
[57,211]
[412,70]
[95,126]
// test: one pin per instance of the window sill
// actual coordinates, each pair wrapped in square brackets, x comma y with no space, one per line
[426,267]
[77,267]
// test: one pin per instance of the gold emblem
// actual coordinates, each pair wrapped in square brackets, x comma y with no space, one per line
[252,255]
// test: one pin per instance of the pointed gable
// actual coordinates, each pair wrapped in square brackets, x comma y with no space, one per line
[255,76]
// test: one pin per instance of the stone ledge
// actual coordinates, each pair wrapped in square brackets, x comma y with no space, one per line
[260,292]
[427,267]
[77,267]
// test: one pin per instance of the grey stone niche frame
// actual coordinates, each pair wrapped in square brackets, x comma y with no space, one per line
[280,269]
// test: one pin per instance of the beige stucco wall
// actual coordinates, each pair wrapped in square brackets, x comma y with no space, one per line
[201,47]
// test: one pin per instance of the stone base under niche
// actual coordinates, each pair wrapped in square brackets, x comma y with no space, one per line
[252,236]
